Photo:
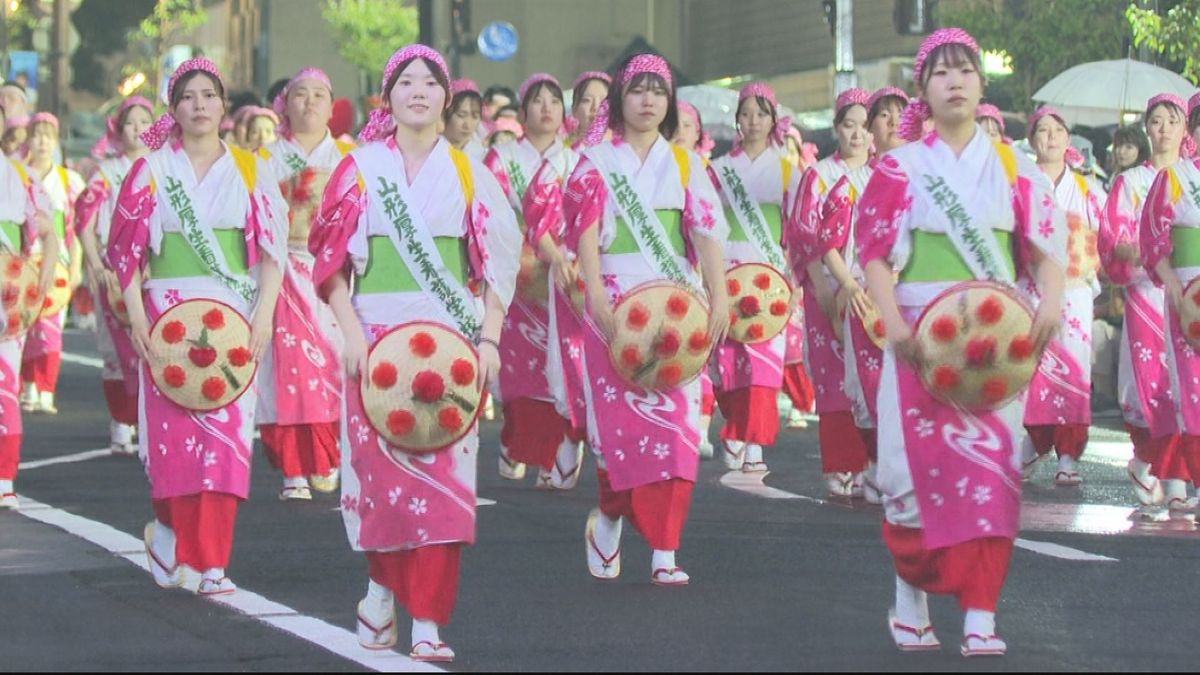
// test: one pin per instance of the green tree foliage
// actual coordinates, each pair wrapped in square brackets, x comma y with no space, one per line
[1042,37]
[103,30]
[367,32]
[1173,31]
[169,21]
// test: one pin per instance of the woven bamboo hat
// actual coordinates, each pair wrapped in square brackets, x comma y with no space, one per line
[760,298]
[200,355]
[533,278]
[662,336]
[116,304]
[872,322]
[1083,257]
[977,346]
[1189,315]
[419,391]
[21,296]
[59,295]
[303,193]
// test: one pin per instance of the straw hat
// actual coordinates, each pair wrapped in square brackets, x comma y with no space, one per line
[760,298]
[662,337]
[1189,316]
[419,391]
[872,322]
[59,294]
[1083,257]
[533,278]
[978,353]
[303,193]
[20,294]
[200,356]
[116,304]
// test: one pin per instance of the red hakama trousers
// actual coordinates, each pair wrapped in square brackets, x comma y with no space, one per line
[656,510]
[533,430]
[1163,454]
[973,571]
[798,387]
[122,407]
[751,415]
[203,525]
[842,447]
[42,371]
[1068,439]
[10,456]
[424,580]
[300,450]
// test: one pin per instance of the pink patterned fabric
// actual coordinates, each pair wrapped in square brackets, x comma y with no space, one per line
[510,125]
[592,75]
[852,96]
[763,90]
[913,119]
[991,112]
[1188,148]
[459,86]
[279,105]
[380,122]
[705,144]
[885,92]
[165,126]
[642,63]
[532,81]
[1192,103]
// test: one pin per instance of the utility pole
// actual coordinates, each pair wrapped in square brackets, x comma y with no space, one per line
[58,57]
[844,76]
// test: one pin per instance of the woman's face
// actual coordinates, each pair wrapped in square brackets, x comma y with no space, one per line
[1050,140]
[462,124]
[417,99]
[309,106]
[753,122]
[644,106]
[992,128]
[1165,127]
[883,128]
[200,107]
[137,121]
[953,92]
[1125,155]
[261,132]
[43,141]
[688,134]
[585,108]
[852,133]
[544,113]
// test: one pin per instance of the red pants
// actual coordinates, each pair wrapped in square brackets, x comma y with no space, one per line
[302,449]
[42,371]
[10,456]
[842,447]
[870,439]
[708,403]
[82,302]
[424,580]
[656,510]
[203,526]
[1162,454]
[122,407]
[973,571]
[798,387]
[533,430]
[751,415]
[1068,439]
[1189,448]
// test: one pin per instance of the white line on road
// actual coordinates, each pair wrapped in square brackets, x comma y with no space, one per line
[752,483]
[1060,551]
[82,360]
[65,459]
[327,636]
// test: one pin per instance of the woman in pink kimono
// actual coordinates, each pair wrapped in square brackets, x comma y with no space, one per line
[646,441]
[93,219]
[534,430]
[43,343]
[196,219]
[1157,469]
[821,270]
[298,410]
[411,514]
[756,184]
[1058,411]
[1170,248]
[25,220]
[950,478]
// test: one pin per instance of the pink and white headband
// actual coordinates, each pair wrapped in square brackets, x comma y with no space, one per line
[112,141]
[380,123]
[1188,147]
[464,85]
[531,82]
[991,112]
[705,143]
[44,118]
[765,92]
[165,126]
[912,120]
[638,65]
[852,96]
[884,93]
[279,105]
[592,75]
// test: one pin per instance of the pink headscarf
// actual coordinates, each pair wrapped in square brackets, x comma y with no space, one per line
[991,112]
[1188,147]
[1073,157]
[531,82]
[279,105]
[44,117]
[852,96]
[459,86]
[592,75]
[380,123]
[642,63]
[1193,102]
[764,91]
[705,144]
[166,126]
[111,143]
[912,121]
[507,124]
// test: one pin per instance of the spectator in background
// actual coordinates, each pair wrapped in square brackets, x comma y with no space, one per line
[1130,148]
[496,97]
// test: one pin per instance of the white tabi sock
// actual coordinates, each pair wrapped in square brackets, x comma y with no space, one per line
[753,454]
[379,593]
[1066,463]
[214,574]
[662,560]
[164,543]
[6,486]
[424,630]
[912,605]
[1140,469]
[735,446]
[608,533]
[979,622]
[1174,488]
[297,482]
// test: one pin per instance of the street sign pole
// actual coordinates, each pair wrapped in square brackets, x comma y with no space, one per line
[844,76]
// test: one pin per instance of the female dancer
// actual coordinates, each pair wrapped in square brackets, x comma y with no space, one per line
[951,186]
[630,206]
[462,118]
[299,424]
[411,514]
[587,93]
[196,219]
[93,220]
[991,120]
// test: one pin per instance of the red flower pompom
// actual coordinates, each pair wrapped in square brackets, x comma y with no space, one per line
[990,311]
[214,319]
[174,376]
[698,341]
[631,358]
[14,323]
[995,390]
[1196,298]
[450,419]
[945,329]
[748,306]
[945,378]
[981,352]
[669,375]
[1020,348]
[733,316]
[638,316]
[462,372]
[384,375]
[878,329]
[400,422]
[762,280]
[14,268]
[238,356]
[11,293]
[755,331]
[579,286]
[202,357]
[213,389]
[422,345]
[428,386]
[174,332]
[31,294]
[668,344]
[733,287]
[47,303]
[779,308]
[120,307]
[60,283]
[677,306]
[1194,330]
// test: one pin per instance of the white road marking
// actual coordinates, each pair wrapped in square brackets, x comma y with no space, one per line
[1060,551]
[480,501]
[327,636]
[82,360]
[65,459]
[752,483]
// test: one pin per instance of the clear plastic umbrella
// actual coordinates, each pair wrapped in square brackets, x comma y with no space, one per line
[1096,93]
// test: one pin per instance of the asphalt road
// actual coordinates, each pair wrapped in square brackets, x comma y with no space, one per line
[781,579]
